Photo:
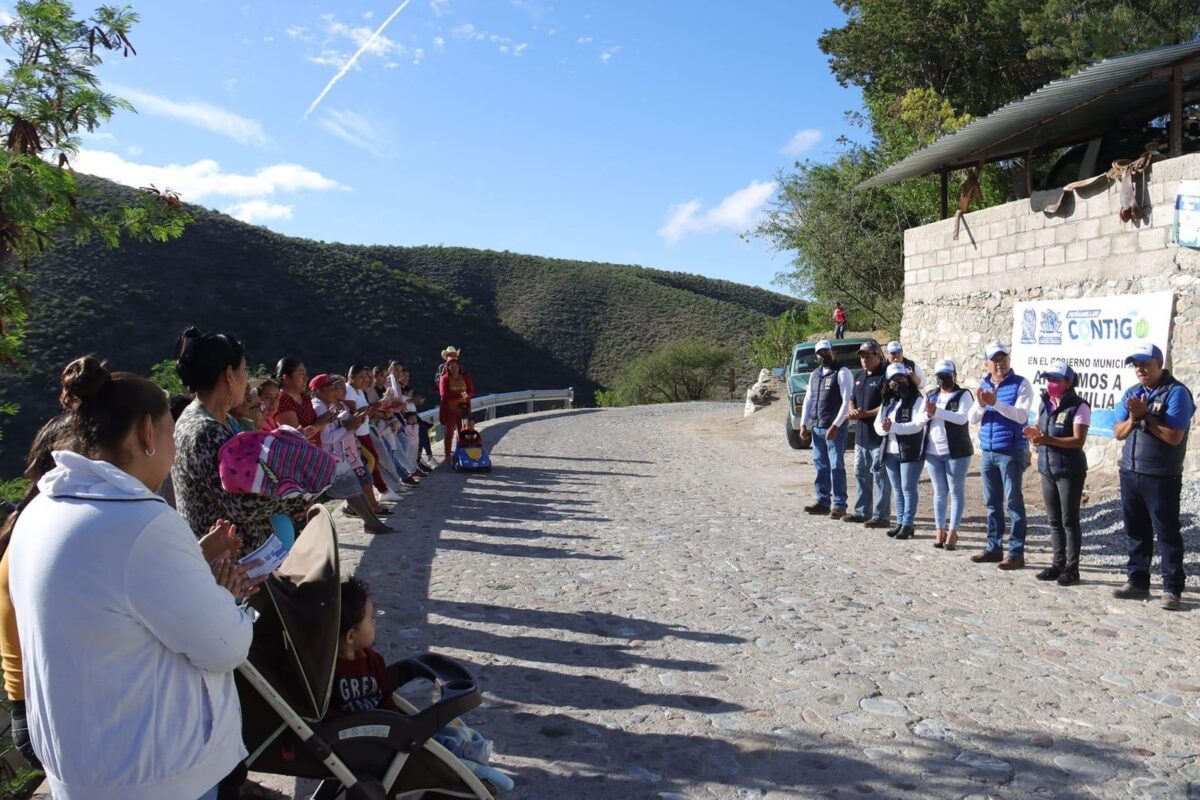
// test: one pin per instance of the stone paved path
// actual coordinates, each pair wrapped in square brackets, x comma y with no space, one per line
[651,618]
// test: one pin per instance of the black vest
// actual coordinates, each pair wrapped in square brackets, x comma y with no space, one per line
[827,401]
[911,445]
[1060,462]
[958,437]
[1145,453]
[868,394]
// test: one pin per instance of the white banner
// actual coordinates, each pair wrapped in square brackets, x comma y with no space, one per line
[1093,335]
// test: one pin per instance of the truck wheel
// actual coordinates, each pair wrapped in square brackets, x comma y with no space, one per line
[793,435]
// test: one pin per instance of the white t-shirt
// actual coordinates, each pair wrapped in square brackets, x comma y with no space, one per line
[937,426]
[360,402]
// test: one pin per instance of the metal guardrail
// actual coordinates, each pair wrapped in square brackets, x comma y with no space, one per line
[490,402]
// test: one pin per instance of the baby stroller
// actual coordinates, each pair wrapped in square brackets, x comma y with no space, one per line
[286,682]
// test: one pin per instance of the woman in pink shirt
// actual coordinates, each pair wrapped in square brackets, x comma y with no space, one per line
[1059,437]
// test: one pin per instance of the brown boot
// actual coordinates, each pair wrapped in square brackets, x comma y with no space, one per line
[1012,562]
[988,557]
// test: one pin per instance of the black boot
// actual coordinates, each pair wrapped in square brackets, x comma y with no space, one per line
[1050,573]
[895,531]
[906,532]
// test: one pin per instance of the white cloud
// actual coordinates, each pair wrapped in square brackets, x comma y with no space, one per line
[801,142]
[520,49]
[203,115]
[300,33]
[440,8]
[256,211]
[583,40]
[607,55]
[354,129]
[133,150]
[204,179]
[467,31]
[439,42]
[552,31]
[737,212]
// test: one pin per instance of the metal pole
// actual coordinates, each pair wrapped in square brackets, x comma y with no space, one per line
[1176,111]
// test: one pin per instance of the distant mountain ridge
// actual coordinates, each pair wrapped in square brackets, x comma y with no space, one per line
[521,321]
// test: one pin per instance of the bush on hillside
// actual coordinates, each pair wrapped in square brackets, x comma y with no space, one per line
[675,372]
[773,347]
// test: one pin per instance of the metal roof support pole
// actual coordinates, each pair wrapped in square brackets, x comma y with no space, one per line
[1176,111]
[945,194]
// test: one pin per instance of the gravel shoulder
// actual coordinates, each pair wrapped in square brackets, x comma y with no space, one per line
[652,617]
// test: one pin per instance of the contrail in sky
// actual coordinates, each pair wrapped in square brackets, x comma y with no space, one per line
[350,64]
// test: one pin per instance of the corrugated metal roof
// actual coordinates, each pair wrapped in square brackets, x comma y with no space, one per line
[1067,111]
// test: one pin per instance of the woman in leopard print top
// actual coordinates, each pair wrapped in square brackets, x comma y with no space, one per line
[214,366]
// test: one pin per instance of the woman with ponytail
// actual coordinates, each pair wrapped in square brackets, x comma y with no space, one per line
[128,645]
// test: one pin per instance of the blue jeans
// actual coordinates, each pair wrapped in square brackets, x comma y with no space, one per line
[829,459]
[1150,506]
[904,479]
[872,484]
[1001,471]
[839,330]
[949,478]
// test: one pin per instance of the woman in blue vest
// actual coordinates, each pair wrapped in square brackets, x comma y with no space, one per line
[901,423]
[1060,434]
[948,450]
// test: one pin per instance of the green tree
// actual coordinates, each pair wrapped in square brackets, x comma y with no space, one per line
[675,372]
[49,95]
[773,347]
[167,377]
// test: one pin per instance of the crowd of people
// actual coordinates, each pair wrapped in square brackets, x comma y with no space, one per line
[903,426]
[123,576]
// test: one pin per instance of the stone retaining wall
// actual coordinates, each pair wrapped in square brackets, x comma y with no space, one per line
[959,294]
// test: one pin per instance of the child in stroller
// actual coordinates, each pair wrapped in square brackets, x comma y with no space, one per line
[286,683]
[469,454]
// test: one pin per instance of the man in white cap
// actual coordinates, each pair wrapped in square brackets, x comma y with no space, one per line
[823,416]
[1002,413]
[895,355]
[1153,419]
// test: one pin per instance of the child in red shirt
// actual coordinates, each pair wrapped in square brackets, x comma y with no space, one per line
[360,680]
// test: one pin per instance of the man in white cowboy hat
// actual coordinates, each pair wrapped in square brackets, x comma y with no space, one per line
[823,417]
[450,350]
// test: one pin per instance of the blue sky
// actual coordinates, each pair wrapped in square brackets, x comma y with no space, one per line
[631,132]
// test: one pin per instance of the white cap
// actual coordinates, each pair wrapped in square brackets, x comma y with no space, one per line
[895,369]
[822,345]
[994,348]
[894,347]
[1060,369]
[1144,352]
[944,366]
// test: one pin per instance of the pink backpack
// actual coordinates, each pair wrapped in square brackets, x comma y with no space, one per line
[278,463]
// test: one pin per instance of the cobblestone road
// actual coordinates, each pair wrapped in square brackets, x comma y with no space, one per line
[651,618]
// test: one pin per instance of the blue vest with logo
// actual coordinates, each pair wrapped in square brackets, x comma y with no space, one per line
[998,433]
[868,394]
[910,445]
[827,401]
[958,437]
[1145,453]
[1060,462]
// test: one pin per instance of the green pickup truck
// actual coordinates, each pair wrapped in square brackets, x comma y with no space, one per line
[803,362]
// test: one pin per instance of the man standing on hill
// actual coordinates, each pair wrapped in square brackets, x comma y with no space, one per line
[1153,419]
[825,410]
[839,321]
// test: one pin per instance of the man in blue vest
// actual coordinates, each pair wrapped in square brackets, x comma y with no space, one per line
[1002,412]
[825,410]
[873,500]
[1153,419]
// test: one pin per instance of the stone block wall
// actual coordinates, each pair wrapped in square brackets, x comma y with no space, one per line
[959,293]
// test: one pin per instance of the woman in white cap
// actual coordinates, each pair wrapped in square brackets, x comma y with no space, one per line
[901,423]
[1059,437]
[895,355]
[948,450]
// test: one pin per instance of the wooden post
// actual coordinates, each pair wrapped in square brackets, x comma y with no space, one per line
[945,194]
[1176,111]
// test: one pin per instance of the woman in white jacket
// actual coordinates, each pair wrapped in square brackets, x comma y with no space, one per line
[127,642]
[901,423]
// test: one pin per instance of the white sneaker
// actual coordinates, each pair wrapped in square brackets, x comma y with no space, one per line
[390,497]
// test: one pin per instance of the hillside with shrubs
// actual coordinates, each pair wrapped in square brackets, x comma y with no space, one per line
[521,321]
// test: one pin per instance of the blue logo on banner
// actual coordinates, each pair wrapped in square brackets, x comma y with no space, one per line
[1051,328]
[1029,327]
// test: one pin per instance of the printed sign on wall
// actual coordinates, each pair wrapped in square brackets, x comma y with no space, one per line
[1093,335]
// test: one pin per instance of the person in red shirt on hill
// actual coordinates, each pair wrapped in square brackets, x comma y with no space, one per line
[839,321]
[360,679]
